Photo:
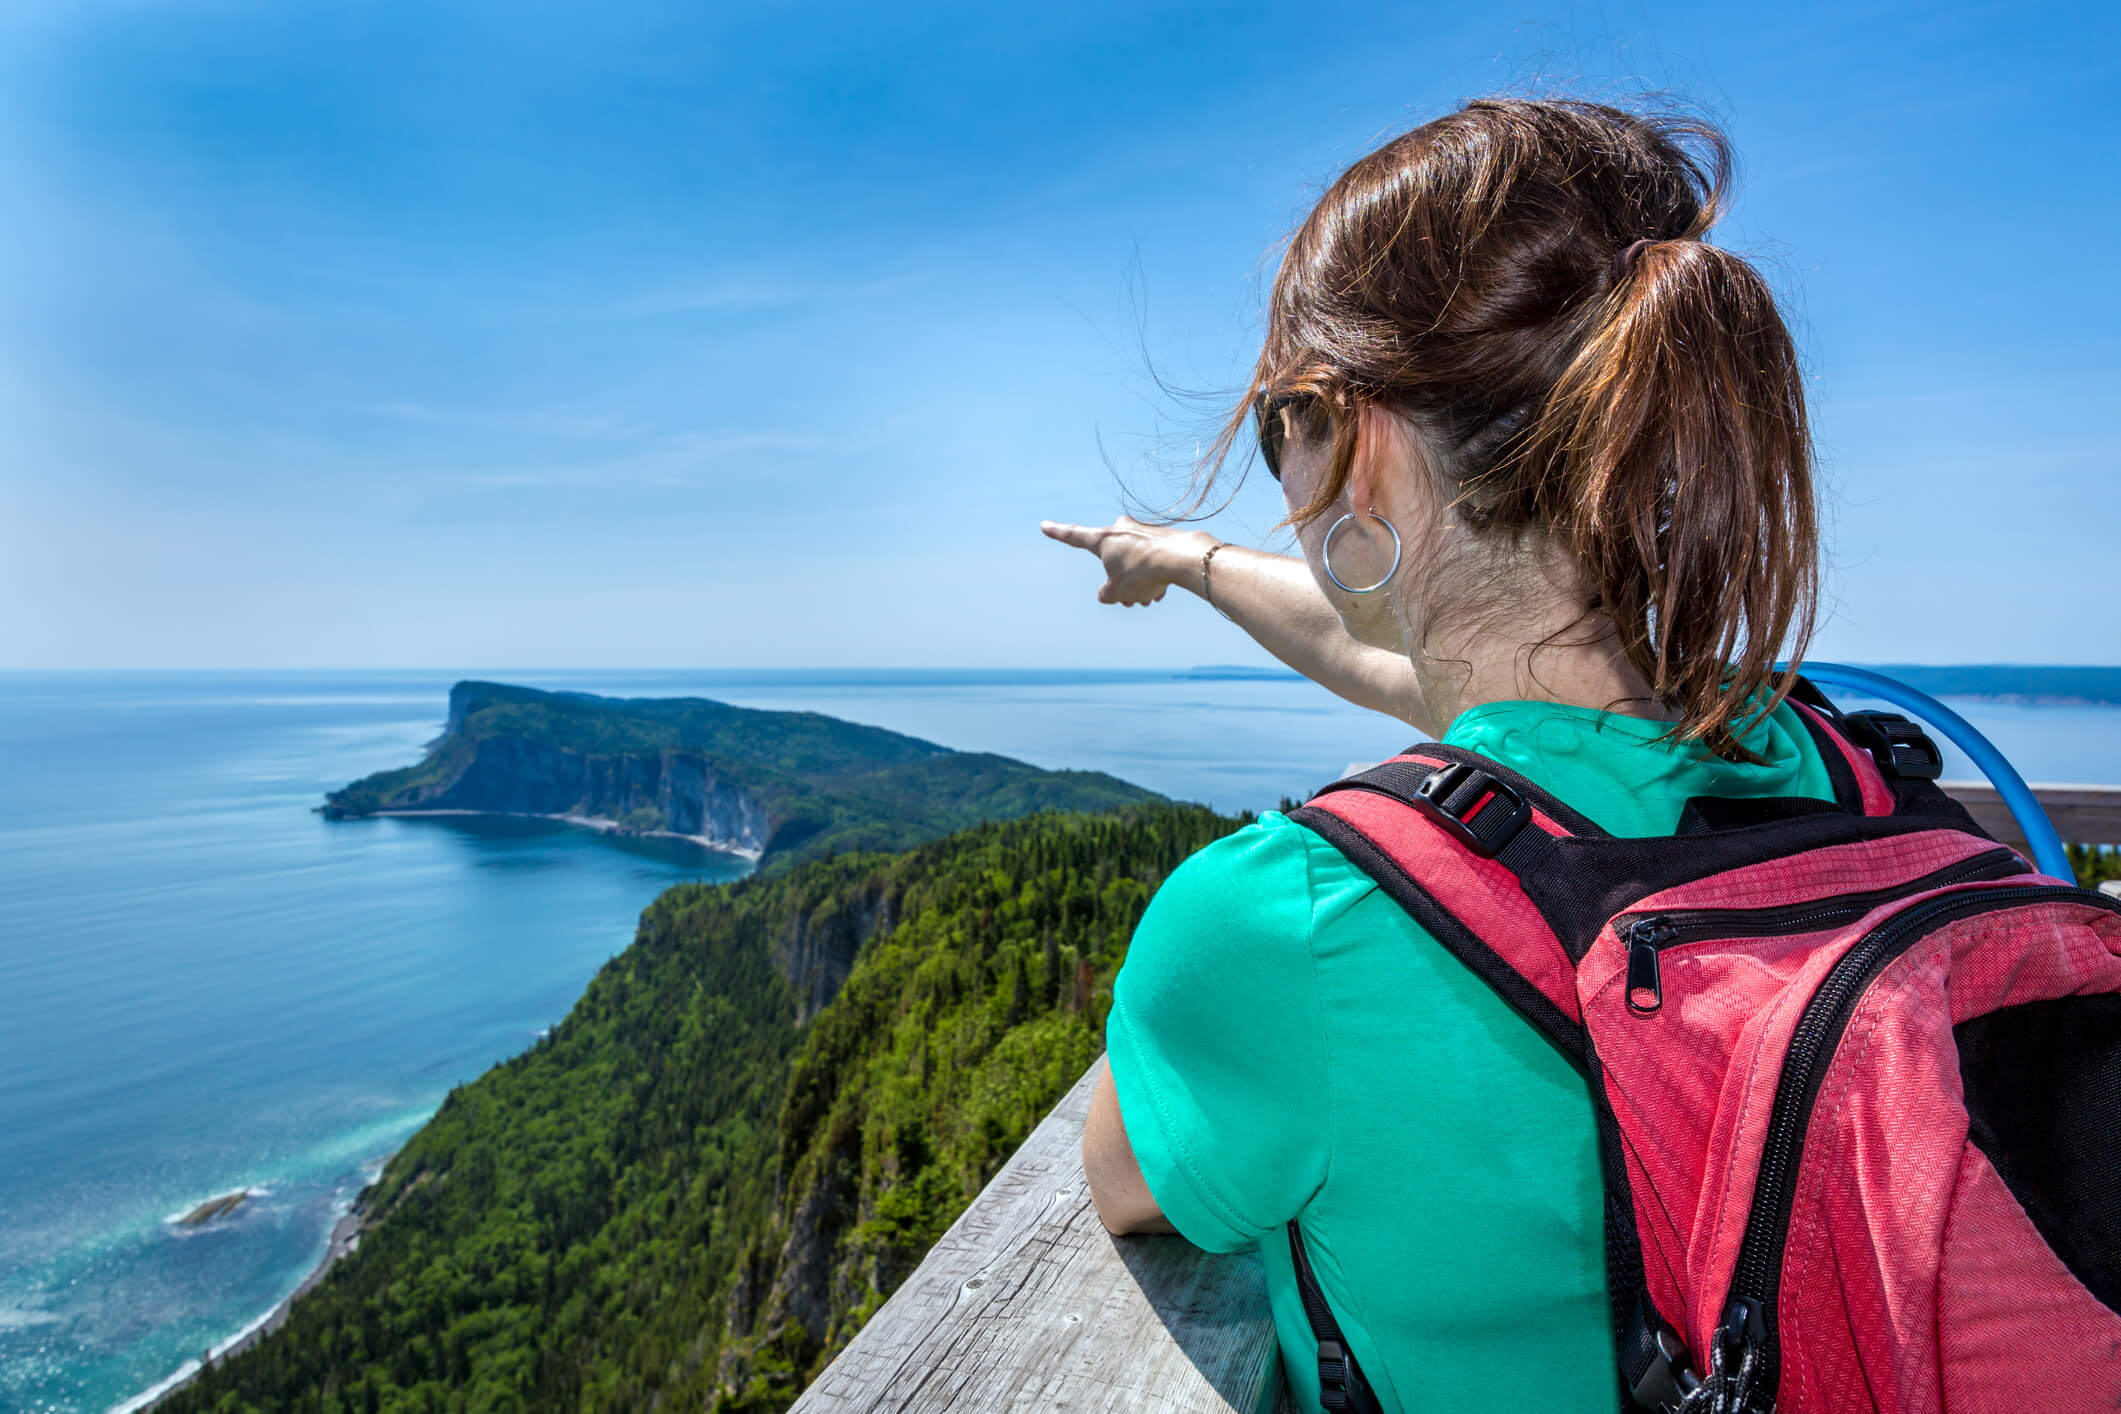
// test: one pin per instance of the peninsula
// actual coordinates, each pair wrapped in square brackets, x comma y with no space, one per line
[777,786]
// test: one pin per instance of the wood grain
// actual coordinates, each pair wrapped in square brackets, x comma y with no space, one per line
[1027,1303]
[2081,814]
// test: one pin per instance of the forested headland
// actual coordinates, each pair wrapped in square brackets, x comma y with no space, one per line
[782,786]
[700,1184]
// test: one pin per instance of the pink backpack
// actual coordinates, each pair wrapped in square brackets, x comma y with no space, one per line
[1857,1071]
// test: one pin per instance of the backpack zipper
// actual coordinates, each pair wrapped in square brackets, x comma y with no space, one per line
[1650,934]
[1748,1318]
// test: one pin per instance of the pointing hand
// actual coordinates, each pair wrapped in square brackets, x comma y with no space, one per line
[1140,561]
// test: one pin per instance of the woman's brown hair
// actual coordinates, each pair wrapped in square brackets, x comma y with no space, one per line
[1527,283]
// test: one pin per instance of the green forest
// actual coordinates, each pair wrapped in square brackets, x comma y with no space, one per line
[688,1196]
[2095,864]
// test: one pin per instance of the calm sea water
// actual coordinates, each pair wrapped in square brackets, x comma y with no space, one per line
[206,987]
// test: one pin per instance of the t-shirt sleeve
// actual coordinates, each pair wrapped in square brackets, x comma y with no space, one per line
[1217,1043]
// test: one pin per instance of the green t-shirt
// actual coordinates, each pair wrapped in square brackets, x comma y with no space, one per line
[1287,1042]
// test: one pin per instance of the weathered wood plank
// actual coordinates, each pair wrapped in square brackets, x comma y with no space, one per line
[2081,814]
[1027,1303]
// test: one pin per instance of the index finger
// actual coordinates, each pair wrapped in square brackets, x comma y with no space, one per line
[1082,537]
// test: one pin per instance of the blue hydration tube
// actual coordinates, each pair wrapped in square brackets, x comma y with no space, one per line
[2040,835]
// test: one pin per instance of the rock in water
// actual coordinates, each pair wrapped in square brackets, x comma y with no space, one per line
[213,1208]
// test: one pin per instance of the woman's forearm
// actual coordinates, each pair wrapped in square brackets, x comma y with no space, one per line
[1271,597]
[1275,600]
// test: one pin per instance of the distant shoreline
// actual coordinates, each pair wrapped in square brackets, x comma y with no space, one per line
[2016,684]
[602,824]
[2030,699]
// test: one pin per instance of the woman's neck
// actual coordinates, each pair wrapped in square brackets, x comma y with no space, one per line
[1549,650]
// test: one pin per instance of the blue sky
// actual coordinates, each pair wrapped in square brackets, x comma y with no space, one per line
[522,334]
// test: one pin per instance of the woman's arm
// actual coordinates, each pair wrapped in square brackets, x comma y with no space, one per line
[1117,1189]
[1271,597]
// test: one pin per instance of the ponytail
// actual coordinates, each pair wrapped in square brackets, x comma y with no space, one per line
[1681,461]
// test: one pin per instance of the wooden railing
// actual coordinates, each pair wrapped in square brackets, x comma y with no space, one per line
[1028,1304]
[2081,814]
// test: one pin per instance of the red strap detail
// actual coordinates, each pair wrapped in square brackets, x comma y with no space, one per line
[1877,795]
[1539,817]
[1481,893]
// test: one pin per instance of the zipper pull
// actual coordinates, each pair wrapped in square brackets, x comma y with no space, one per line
[1645,990]
[1745,1322]
[1741,1338]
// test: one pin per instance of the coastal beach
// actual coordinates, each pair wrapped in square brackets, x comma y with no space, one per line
[344,1237]
[601,824]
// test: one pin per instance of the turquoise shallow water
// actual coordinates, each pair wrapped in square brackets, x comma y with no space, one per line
[204,986]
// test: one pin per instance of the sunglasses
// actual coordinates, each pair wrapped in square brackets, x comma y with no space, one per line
[1271,428]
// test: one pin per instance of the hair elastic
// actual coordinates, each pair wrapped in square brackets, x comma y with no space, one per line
[1624,262]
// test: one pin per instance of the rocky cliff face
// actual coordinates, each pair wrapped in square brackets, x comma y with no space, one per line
[818,950]
[513,776]
[797,1275]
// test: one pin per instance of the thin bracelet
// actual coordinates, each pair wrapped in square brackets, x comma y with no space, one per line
[1207,585]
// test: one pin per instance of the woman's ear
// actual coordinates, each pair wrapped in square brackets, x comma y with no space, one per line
[1379,449]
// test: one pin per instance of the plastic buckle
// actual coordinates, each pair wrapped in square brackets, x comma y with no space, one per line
[1670,1379]
[1902,749]
[1458,796]
[1333,1375]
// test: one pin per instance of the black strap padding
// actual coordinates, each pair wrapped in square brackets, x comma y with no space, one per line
[1636,1332]
[1527,852]
[1631,1311]
[1803,689]
[1341,1385]
[1401,780]
[1932,804]
[1706,814]
[1913,799]
[1444,926]
[1848,791]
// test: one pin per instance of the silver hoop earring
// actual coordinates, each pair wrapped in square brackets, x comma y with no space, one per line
[1325,553]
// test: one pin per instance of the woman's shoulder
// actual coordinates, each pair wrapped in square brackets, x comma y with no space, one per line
[1264,877]
[1230,946]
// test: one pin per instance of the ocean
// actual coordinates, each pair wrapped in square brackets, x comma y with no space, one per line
[205,987]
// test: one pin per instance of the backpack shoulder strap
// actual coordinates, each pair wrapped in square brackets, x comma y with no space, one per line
[1859,787]
[1446,834]
[1450,836]
[1341,1384]
[1880,763]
